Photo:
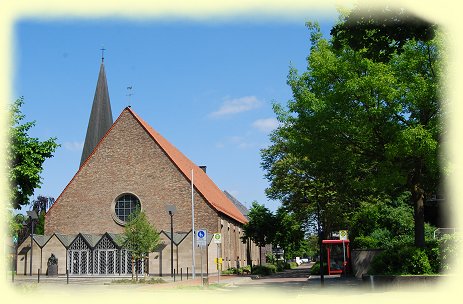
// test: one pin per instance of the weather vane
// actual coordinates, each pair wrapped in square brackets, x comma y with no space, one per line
[129,90]
[102,53]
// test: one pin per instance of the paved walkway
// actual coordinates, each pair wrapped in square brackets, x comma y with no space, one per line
[28,282]
[289,281]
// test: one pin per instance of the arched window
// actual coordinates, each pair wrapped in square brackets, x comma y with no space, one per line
[125,205]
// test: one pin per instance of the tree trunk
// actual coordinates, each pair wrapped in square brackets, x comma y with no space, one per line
[260,255]
[136,270]
[132,267]
[418,203]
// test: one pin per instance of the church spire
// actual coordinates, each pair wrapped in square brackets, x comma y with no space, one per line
[101,118]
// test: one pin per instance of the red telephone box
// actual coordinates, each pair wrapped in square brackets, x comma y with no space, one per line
[338,255]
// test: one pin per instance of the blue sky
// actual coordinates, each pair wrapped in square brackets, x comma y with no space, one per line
[206,86]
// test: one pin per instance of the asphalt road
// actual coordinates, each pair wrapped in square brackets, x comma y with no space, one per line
[299,280]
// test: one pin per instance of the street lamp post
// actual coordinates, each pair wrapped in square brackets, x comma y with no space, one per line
[171,209]
[33,216]
[320,237]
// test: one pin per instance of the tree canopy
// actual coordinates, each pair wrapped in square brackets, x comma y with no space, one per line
[359,128]
[139,236]
[380,31]
[261,226]
[26,156]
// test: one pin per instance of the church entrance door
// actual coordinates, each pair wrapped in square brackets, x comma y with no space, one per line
[106,259]
[79,261]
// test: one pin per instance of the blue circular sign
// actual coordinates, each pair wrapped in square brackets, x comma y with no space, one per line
[201,234]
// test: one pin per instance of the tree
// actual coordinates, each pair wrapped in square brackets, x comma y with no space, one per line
[359,129]
[380,32]
[25,157]
[289,232]
[260,228]
[139,237]
[41,206]
[15,225]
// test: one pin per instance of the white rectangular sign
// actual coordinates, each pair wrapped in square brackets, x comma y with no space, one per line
[217,238]
[201,237]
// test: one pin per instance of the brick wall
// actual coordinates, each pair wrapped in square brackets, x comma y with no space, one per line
[127,161]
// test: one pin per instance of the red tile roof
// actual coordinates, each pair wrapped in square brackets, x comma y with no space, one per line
[203,184]
[213,195]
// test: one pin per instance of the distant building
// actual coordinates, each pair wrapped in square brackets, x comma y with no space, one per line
[125,165]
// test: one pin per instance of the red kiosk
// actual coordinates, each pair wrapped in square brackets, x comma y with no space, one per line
[338,255]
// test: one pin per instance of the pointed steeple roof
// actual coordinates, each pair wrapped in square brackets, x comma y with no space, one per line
[101,117]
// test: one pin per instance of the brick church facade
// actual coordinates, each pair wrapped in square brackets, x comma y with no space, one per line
[126,164]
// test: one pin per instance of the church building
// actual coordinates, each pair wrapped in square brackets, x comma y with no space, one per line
[126,165]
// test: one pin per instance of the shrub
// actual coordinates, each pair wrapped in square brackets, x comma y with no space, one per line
[315,269]
[401,260]
[291,265]
[245,269]
[448,246]
[231,270]
[264,270]
[280,265]
[433,252]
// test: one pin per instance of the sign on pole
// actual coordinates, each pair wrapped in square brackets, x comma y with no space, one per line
[343,235]
[201,237]
[217,238]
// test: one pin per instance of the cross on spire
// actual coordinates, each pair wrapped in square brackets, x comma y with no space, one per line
[102,54]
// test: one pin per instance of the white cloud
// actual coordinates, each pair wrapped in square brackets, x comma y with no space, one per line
[73,146]
[237,105]
[241,142]
[265,124]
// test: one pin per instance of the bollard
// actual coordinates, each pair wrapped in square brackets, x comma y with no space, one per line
[67,276]
[187,273]
[174,274]
[181,274]
[38,275]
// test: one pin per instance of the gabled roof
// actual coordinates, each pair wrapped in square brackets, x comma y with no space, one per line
[178,237]
[202,182]
[118,239]
[66,239]
[41,240]
[101,117]
[242,208]
[92,239]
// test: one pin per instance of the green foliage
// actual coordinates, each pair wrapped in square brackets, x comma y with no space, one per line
[39,227]
[139,236]
[25,156]
[378,224]
[264,270]
[308,247]
[401,260]
[261,226]
[240,270]
[358,129]
[291,265]
[380,33]
[449,249]
[270,258]
[315,269]
[15,223]
[289,232]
